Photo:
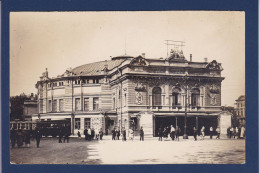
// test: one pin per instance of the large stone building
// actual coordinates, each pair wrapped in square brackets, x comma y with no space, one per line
[240,109]
[130,92]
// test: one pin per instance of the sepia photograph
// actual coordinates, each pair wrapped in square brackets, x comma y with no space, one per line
[127,87]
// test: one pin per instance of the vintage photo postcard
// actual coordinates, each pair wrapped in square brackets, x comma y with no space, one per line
[128,87]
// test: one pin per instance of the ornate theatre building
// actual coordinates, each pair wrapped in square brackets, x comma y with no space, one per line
[130,92]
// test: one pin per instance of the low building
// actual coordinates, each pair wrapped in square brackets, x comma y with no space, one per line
[130,92]
[30,107]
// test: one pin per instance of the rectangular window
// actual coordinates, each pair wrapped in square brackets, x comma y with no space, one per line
[77,104]
[86,104]
[61,105]
[87,123]
[77,123]
[49,106]
[54,109]
[95,103]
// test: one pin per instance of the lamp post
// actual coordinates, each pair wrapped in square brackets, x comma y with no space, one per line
[185,136]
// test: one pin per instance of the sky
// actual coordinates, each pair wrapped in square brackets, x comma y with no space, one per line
[60,40]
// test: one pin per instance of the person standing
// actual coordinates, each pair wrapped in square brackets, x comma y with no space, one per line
[178,132]
[231,132]
[160,133]
[60,135]
[20,138]
[89,134]
[86,134]
[79,135]
[38,136]
[218,133]
[211,132]
[237,132]
[172,132]
[101,134]
[124,135]
[195,133]
[97,134]
[27,138]
[141,132]
[114,134]
[202,132]
[92,134]
[131,134]
[66,135]
[117,134]
[13,137]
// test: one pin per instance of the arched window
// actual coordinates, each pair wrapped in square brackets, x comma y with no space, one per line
[195,97]
[176,96]
[157,99]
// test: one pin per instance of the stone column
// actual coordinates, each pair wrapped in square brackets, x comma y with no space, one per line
[146,121]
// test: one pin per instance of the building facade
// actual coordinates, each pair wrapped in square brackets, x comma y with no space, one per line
[240,109]
[130,92]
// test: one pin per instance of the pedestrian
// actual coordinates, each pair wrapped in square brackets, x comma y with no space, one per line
[124,134]
[27,138]
[178,132]
[172,132]
[92,134]
[20,138]
[211,132]
[231,132]
[101,134]
[237,132]
[66,135]
[165,132]
[228,132]
[38,136]
[141,132]
[202,132]
[242,134]
[160,133]
[79,135]
[97,134]
[13,137]
[195,133]
[86,134]
[60,134]
[117,134]
[89,134]
[218,133]
[131,134]
[114,134]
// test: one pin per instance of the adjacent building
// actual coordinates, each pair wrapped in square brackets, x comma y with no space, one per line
[240,109]
[130,92]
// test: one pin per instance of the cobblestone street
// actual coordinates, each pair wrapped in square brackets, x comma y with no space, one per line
[79,151]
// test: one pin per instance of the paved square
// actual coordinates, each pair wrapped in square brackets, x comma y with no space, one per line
[152,151]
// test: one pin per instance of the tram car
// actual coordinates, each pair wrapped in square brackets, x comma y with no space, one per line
[47,128]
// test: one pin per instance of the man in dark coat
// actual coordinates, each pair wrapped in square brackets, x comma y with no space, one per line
[86,134]
[141,132]
[178,132]
[66,135]
[13,137]
[101,134]
[117,134]
[38,136]
[160,133]
[124,135]
[60,135]
[195,133]
[92,134]
[114,134]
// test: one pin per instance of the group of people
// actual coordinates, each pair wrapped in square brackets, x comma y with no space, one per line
[236,132]
[169,131]
[65,134]
[116,134]
[22,137]
[92,134]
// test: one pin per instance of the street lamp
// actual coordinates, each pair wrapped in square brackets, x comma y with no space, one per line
[185,136]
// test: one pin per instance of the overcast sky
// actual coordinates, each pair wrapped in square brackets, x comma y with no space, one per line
[59,40]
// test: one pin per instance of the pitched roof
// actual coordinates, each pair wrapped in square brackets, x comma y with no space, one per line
[96,68]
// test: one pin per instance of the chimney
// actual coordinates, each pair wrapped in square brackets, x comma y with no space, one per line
[190,57]
[206,59]
[143,55]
